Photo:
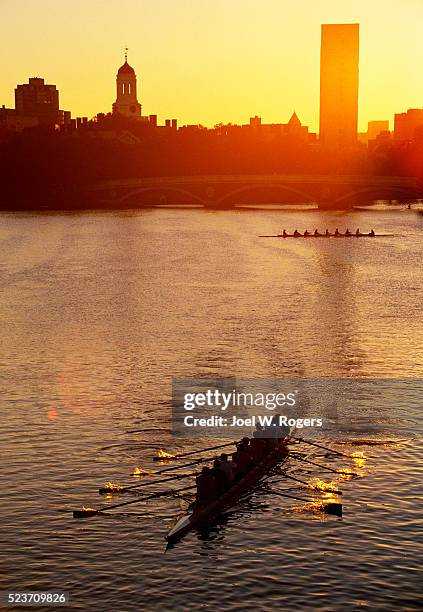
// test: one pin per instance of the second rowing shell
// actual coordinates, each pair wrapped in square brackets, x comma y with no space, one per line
[330,236]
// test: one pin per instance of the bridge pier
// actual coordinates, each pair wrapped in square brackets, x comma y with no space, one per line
[346,204]
[331,205]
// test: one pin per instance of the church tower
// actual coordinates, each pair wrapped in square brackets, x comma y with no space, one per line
[126,91]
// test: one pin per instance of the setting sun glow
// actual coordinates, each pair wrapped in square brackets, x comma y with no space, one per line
[211,61]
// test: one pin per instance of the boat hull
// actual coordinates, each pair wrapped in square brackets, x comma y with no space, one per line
[208,513]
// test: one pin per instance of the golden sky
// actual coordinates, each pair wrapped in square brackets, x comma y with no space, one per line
[206,61]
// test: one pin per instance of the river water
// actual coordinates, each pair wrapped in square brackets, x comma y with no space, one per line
[99,311]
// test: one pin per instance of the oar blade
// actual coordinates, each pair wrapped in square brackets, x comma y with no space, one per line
[164,456]
[333,508]
[81,514]
[112,490]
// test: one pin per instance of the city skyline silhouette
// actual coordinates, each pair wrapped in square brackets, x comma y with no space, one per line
[107,159]
[217,62]
[338,105]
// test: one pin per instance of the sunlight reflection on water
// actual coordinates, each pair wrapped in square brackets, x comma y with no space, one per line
[98,311]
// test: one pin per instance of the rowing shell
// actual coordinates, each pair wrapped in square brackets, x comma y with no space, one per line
[329,236]
[207,513]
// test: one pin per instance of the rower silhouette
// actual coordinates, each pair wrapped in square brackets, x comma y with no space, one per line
[297,234]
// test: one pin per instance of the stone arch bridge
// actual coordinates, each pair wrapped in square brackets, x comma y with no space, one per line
[229,191]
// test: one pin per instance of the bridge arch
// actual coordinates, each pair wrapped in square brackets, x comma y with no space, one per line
[191,198]
[302,195]
[376,193]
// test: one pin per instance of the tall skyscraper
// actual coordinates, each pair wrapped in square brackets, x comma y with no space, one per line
[126,92]
[339,84]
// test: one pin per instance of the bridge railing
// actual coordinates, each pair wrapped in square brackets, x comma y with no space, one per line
[363,180]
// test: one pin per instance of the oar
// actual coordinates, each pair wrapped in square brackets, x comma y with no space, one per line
[87,513]
[105,490]
[310,485]
[329,508]
[180,467]
[323,447]
[201,450]
[131,431]
[325,467]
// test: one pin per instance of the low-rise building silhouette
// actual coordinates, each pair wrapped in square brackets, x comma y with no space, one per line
[293,130]
[36,99]
[374,128]
[405,124]
[36,104]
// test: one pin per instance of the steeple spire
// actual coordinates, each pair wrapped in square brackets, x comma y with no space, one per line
[294,119]
[126,91]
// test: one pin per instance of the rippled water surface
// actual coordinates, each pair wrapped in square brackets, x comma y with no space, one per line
[99,310]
